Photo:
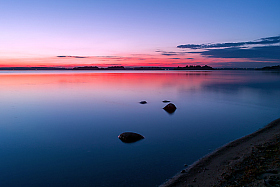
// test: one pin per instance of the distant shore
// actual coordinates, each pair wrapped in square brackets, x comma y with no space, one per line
[253,160]
[95,68]
[186,68]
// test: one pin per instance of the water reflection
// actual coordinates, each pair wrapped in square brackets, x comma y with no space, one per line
[61,128]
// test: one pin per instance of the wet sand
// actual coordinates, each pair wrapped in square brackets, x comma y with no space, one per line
[253,160]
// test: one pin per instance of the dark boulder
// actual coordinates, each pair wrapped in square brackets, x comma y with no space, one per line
[143,102]
[165,101]
[130,137]
[170,108]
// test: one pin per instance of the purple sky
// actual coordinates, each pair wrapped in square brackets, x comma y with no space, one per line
[140,33]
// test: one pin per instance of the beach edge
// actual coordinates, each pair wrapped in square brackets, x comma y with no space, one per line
[208,170]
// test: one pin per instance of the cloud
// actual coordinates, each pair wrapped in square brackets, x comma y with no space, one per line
[169,53]
[154,63]
[80,57]
[71,57]
[174,58]
[115,64]
[262,41]
[269,40]
[263,49]
[244,64]
[264,52]
[179,63]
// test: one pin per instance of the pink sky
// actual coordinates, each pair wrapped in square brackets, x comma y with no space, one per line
[136,33]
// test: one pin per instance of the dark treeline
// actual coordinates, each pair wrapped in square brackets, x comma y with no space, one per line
[275,68]
[33,68]
[145,68]
[191,67]
[198,67]
[97,68]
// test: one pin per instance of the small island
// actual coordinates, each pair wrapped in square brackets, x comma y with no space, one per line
[198,67]
[273,68]
[187,67]
[97,68]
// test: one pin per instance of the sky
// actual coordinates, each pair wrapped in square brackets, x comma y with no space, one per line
[68,33]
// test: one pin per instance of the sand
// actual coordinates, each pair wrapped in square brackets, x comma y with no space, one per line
[253,160]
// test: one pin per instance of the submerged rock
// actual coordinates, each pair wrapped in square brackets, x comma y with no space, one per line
[170,108]
[165,101]
[130,137]
[143,102]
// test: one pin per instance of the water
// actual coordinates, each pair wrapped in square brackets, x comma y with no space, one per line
[60,128]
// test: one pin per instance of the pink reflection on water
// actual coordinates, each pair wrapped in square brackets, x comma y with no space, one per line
[102,80]
[58,85]
[114,82]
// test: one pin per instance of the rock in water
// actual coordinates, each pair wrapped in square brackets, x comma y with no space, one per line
[143,102]
[130,137]
[165,101]
[170,108]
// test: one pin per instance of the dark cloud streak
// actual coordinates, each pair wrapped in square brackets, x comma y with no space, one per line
[71,57]
[264,52]
[169,53]
[262,41]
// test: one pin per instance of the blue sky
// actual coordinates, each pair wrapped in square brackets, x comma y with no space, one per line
[35,32]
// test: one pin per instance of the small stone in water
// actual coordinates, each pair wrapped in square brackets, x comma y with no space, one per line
[130,137]
[165,101]
[170,108]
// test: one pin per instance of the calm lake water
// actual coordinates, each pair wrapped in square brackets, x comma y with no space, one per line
[60,128]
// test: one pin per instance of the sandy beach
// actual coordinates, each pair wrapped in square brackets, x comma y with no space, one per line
[253,160]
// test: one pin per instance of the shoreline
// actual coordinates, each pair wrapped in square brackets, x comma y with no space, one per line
[219,166]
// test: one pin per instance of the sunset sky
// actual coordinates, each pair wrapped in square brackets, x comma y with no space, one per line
[239,33]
